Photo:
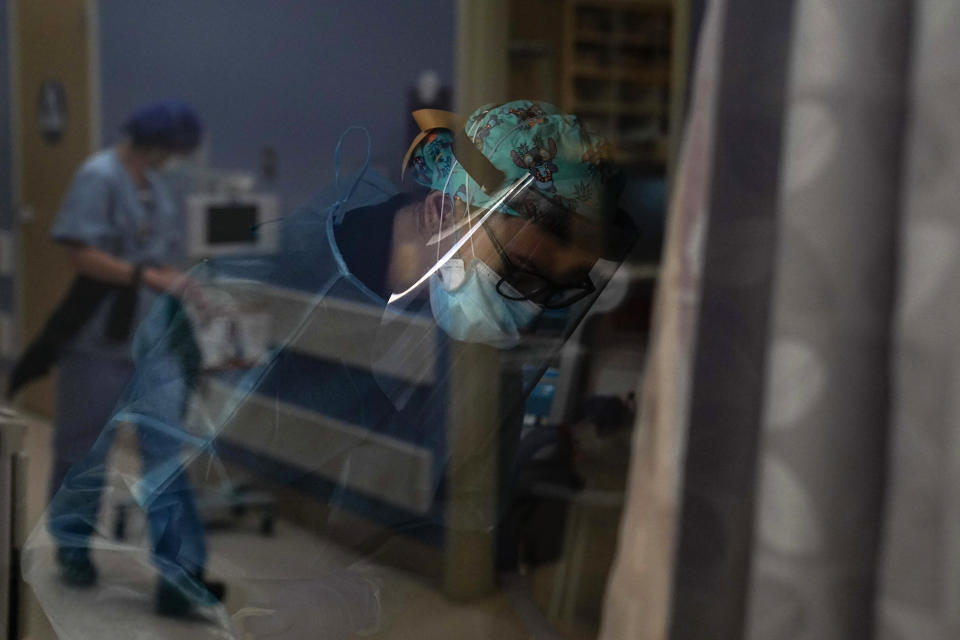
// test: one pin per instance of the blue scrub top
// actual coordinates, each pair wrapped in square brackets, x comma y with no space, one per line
[103,209]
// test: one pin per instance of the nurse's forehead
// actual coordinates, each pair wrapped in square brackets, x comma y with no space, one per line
[516,233]
[512,232]
[510,223]
[525,239]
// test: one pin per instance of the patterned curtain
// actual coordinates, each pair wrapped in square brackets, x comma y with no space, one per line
[637,599]
[919,594]
[797,463]
[827,412]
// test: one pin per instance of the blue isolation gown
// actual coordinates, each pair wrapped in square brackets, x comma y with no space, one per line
[253,419]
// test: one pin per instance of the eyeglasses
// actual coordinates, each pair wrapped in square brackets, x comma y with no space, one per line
[526,284]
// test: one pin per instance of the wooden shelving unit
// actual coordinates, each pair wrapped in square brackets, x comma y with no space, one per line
[617,73]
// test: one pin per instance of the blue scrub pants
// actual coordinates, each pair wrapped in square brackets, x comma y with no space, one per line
[90,391]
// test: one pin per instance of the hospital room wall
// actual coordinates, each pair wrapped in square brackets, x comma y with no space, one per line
[291,75]
[6,194]
[6,167]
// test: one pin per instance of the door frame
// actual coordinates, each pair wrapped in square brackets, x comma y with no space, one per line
[22,211]
[481,53]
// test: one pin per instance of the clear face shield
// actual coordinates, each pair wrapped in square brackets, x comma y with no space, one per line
[497,274]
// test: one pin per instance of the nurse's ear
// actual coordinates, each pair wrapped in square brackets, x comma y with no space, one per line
[438,214]
[435,205]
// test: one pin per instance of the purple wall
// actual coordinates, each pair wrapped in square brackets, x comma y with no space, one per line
[292,74]
[6,167]
[6,159]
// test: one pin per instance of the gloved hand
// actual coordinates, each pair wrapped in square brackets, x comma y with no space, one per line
[333,606]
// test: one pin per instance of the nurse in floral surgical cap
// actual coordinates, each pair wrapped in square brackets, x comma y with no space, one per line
[521,206]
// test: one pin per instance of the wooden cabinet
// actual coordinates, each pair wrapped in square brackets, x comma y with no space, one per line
[618,64]
[617,73]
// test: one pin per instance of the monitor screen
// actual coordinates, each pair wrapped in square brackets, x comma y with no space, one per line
[232,224]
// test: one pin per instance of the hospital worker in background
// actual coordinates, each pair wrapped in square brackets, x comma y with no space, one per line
[121,228]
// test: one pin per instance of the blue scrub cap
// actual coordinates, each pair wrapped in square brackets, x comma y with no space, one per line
[169,124]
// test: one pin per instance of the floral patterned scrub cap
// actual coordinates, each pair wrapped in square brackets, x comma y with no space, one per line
[568,167]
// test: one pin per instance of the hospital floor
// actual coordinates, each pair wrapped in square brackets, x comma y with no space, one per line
[423,613]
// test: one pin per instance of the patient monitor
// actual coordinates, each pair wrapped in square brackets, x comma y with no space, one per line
[225,223]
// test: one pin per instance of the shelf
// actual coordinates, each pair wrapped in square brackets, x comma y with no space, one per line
[529,48]
[617,72]
[642,41]
[647,76]
[612,40]
[594,72]
[643,76]
[594,37]
[617,108]
[637,6]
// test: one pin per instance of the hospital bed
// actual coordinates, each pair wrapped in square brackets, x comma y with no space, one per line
[392,477]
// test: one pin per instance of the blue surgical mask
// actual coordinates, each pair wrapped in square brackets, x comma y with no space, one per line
[467,306]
